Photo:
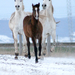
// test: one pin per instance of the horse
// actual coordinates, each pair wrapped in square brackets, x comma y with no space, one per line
[16,25]
[33,28]
[49,24]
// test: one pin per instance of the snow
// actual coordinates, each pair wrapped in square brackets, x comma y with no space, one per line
[5,39]
[46,66]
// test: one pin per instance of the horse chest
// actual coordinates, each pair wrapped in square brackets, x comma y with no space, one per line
[36,32]
[19,25]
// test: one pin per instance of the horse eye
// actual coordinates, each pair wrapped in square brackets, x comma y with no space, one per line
[49,0]
[15,0]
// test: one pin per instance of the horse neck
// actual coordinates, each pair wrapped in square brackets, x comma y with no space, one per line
[19,14]
[34,21]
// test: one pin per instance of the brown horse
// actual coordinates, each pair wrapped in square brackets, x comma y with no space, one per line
[33,28]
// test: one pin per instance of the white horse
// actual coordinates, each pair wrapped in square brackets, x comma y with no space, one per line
[16,25]
[49,24]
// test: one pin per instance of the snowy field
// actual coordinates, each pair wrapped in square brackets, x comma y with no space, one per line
[47,66]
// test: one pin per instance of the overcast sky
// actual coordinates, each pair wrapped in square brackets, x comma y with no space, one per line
[60,7]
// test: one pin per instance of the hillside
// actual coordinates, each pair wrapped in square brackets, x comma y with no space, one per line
[62,30]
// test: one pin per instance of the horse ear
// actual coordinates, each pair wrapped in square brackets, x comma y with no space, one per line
[32,5]
[39,4]
[21,0]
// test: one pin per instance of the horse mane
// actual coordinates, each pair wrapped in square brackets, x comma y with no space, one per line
[36,5]
[52,9]
[30,19]
[22,7]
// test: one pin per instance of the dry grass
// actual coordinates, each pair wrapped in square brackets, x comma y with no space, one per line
[59,51]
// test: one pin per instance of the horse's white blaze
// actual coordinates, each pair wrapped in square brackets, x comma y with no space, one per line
[36,13]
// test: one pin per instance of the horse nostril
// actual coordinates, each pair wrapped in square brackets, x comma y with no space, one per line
[45,5]
[18,6]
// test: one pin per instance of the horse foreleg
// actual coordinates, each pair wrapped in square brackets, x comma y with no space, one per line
[53,37]
[40,41]
[15,44]
[53,47]
[35,49]
[25,51]
[44,51]
[28,44]
[40,46]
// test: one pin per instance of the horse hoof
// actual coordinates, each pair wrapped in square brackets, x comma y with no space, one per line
[39,57]
[51,51]
[16,57]
[26,55]
[36,62]
[16,54]
[29,57]
[44,54]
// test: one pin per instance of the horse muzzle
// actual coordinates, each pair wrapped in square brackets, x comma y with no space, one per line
[36,17]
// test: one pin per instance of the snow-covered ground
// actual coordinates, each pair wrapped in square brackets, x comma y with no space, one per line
[47,66]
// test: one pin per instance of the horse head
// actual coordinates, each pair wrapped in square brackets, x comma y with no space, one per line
[46,4]
[36,11]
[19,5]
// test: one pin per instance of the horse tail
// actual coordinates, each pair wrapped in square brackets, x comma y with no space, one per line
[57,22]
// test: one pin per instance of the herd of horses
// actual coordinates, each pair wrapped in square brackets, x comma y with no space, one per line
[36,25]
